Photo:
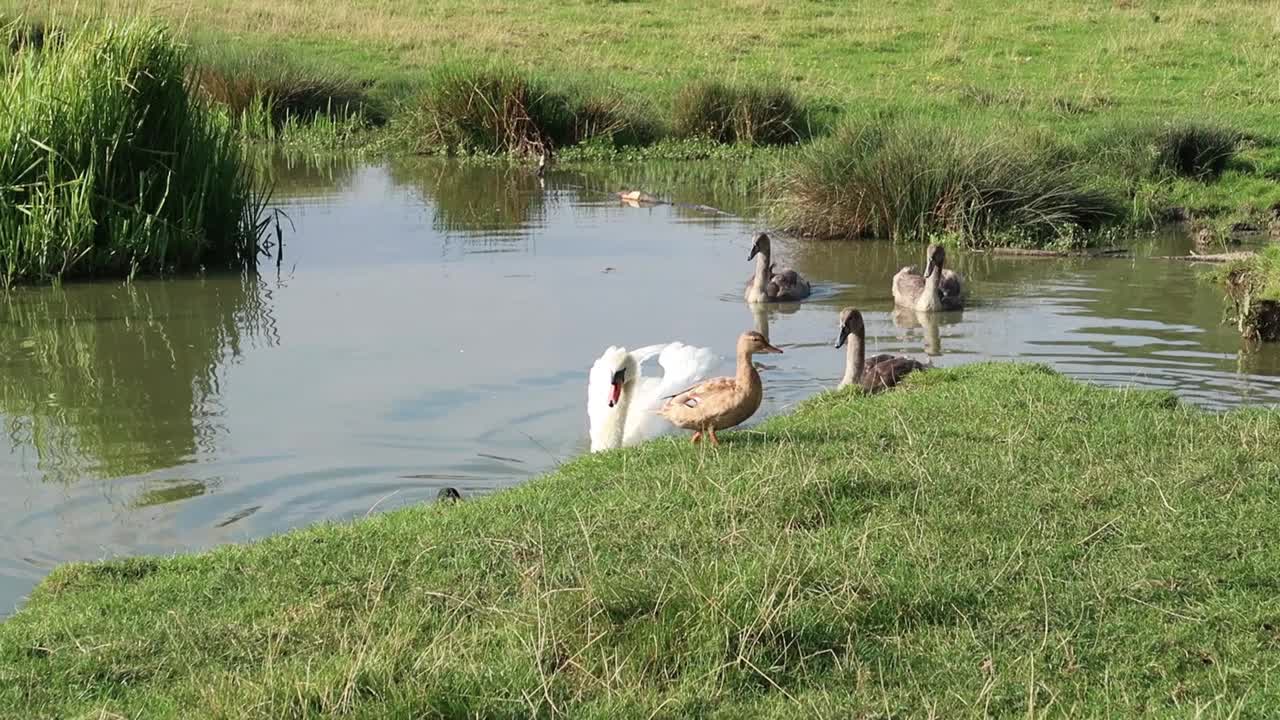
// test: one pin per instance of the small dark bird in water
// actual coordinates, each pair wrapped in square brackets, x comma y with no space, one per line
[448,494]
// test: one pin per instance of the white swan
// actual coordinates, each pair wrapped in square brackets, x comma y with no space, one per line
[621,401]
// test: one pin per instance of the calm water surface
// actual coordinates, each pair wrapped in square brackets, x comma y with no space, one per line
[433,325]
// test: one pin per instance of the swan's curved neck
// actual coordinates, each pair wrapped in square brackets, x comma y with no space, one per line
[762,270]
[855,357]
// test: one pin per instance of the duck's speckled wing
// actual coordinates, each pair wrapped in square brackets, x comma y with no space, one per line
[690,406]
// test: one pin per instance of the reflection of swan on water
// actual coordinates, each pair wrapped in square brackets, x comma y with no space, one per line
[938,289]
[621,401]
[930,323]
[879,372]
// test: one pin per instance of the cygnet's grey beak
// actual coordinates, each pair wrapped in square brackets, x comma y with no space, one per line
[844,335]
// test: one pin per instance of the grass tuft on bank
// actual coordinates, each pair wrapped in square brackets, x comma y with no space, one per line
[739,114]
[1253,290]
[995,539]
[909,180]
[503,110]
[270,96]
[112,168]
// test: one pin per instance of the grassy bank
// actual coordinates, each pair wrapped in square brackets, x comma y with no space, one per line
[111,167]
[1253,289]
[865,557]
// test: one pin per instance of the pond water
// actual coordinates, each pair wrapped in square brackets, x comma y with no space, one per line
[432,326]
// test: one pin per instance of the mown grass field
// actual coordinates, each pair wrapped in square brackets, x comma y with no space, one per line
[1058,63]
[1037,74]
[990,541]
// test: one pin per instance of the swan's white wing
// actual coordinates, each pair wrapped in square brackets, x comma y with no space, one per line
[599,387]
[642,354]
[682,366]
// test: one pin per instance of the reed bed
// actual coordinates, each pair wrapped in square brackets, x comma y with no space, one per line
[112,166]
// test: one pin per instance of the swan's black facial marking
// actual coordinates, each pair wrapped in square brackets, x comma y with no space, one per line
[619,377]
[760,245]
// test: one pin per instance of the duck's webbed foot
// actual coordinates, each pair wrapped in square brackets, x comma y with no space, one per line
[697,437]
[712,434]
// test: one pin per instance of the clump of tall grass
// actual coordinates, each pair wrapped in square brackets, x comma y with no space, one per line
[502,110]
[29,35]
[266,93]
[747,114]
[111,166]
[911,181]
[1152,150]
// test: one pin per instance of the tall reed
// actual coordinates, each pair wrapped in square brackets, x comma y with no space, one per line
[112,167]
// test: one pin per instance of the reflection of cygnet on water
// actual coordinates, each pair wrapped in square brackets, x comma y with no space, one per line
[930,324]
[761,312]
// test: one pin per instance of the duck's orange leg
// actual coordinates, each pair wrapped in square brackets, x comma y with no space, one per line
[712,434]
[697,436]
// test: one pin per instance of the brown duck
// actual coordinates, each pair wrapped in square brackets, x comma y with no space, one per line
[879,372]
[721,402]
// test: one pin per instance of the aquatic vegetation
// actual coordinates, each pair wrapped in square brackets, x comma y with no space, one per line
[915,180]
[112,168]
[747,114]
[862,553]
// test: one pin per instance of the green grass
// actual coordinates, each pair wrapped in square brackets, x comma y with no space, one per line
[112,168]
[994,540]
[1090,77]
